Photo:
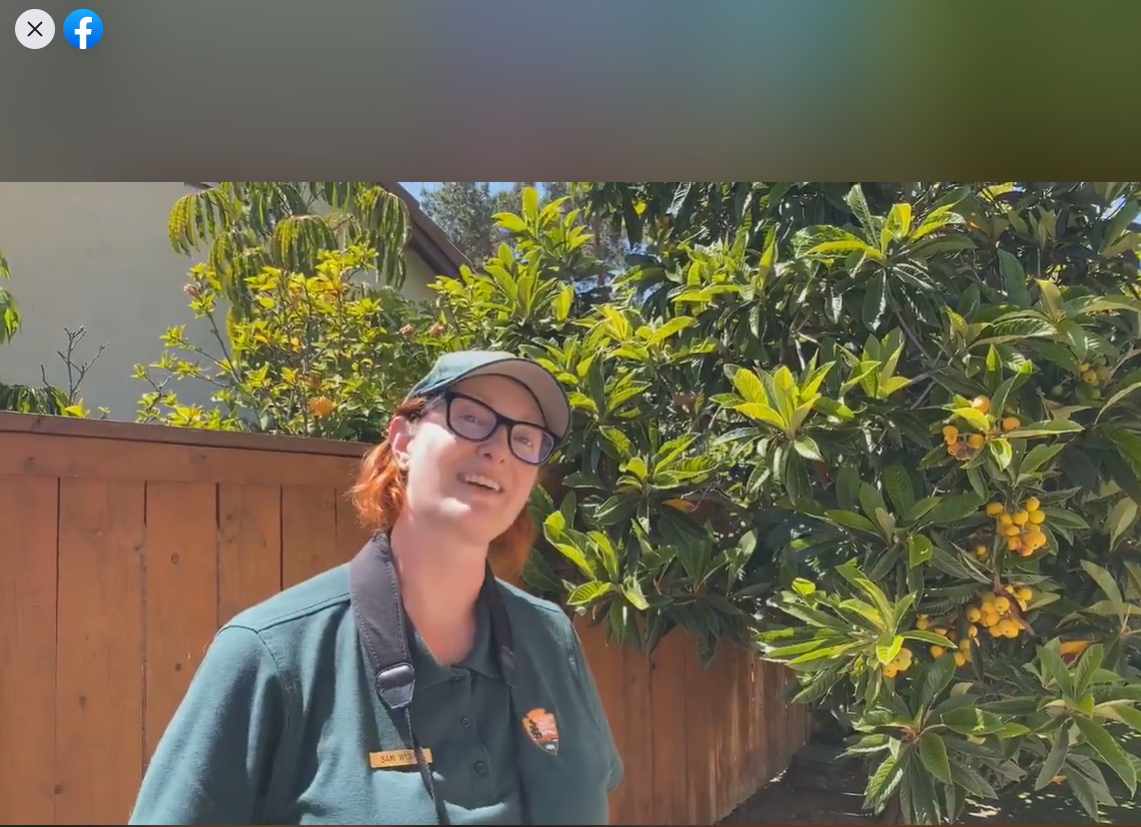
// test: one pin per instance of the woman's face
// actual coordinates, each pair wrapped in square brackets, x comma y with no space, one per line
[478,488]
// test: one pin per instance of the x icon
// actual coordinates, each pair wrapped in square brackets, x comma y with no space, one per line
[35,29]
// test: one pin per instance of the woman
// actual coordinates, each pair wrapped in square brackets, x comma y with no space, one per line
[409,686]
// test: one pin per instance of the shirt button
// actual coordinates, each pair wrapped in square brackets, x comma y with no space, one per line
[480,767]
[465,722]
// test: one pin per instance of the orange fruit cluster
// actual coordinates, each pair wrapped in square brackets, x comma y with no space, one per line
[993,612]
[960,650]
[321,406]
[900,663]
[963,447]
[1020,529]
[1093,375]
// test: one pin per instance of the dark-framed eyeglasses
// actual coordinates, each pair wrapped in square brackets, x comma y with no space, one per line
[473,420]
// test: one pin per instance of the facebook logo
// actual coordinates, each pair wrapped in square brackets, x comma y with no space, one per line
[82,29]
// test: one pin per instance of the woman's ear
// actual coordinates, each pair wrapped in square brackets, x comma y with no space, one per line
[400,431]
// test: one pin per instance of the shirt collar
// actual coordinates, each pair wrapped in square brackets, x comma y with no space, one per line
[481,658]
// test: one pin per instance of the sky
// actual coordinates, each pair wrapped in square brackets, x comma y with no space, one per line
[416,187]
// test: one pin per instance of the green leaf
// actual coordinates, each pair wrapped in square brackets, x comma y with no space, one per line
[962,746]
[780,653]
[852,520]
[633,593]
[1054,671]
[1001,451]
[615,510]
[848,487]
[824,653]
[919,550]
[1107,584]
[619,440]
[1055,760]
[1091,771]
[1084,793]
[1010,330]
[955,508]
[806,446]
[922,801]
[971,721]
[973,417]
[760,412]
[1064,519]
[944,244]
[928,637]
[803,587]
[875,301]
[969,779]
[1089,664]
[588,593]
[852,574]
[899,488]
[530,202]
[883,781]
[1127,715]
[1117,397]
[1120,519]
[975,478]
[885,521]
[921,509]
[998,399]
[938,675]
[885,654]
[1111,752]
[1038,456]
[870,500]
[749,386]
[897,226]
[1014,279]
[933,753]
[820,684]
[1042,429]
[1074,336]
[1128,442]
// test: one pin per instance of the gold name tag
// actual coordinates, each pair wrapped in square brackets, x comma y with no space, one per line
[396,758]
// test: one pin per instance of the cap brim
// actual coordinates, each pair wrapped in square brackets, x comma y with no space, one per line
[552,399]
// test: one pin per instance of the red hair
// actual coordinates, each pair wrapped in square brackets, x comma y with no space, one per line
[379,495]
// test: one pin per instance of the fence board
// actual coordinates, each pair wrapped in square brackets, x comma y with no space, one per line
[159,536]
[99,696]
[351,535]
[40,455]
[308,532]
[27,650]
[638,750]
[249,546]
[668,709]
[181,594]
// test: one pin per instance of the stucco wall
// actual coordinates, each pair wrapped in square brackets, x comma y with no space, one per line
[97,254]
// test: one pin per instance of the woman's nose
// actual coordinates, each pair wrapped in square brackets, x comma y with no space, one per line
[495,446]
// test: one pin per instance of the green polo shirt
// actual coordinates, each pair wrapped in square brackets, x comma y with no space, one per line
[281,717]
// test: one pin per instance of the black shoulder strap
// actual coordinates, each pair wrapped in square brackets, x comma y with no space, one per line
[383,626]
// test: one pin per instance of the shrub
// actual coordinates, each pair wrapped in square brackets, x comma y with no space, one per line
[888,433]
[307,341]
[313,354]
[46,399]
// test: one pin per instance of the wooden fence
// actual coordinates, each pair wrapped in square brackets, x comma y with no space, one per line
[122,549]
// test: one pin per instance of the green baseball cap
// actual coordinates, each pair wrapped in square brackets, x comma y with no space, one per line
[454,367]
